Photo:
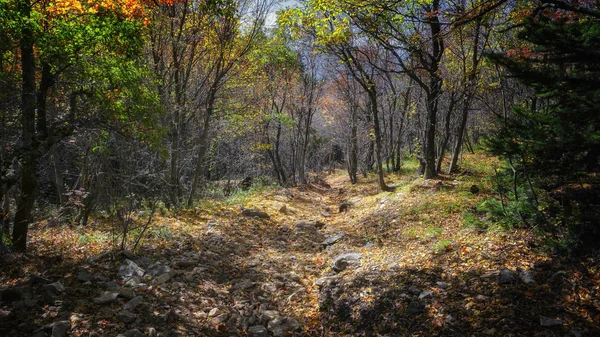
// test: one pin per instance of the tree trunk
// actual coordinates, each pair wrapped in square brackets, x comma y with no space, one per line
[444,144]
[58,176]
[377,130]
[353,158]
[30,157]
[203,142]
[459,136]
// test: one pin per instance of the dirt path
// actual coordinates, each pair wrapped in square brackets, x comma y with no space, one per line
[213,271]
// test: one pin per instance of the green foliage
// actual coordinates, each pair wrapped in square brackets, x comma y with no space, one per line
[441,246]
[559,136]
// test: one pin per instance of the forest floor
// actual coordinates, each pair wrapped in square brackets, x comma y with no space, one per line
[415,268]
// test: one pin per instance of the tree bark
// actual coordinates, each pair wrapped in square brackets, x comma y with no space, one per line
[30,157]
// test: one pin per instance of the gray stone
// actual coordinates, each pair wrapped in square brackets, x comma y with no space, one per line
[255,214]
[126,316]
[133,333]
[111,285]
[442,285]
[481,298]
[341,261]
[258,331]
[59,329]
[143,262]
[326,280]
[507,276]
[133,303]
[425,294]
[268,315]
[161,279]
[151,332]
[107,297]
[547,321]
[222,318]
[126,293]
[134,281]
[54,288]
[303,226]
[283,326]
[30,303]
[369,245]
[159,270]
[84,277]
[416,307]
[526,276]
[333,239]
[37,279]
[129,269]
[244,285]
[186,263]
[214,312]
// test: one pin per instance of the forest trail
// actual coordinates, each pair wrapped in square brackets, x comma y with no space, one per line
[399,263]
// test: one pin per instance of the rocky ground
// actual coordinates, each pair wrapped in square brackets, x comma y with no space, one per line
[325,259]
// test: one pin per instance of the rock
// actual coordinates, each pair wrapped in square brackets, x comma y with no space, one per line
[414,291]
[30,303]
[416,307]
[244,285]
[11,295]
[304,226]
[474,189]
[186,264]
[283,209]
[222,318]
[214,312]
[84,277]
[39,334]
[128,254]
[171,317]
[547,321]
[507,276]
[107,297]
[59,329]
[161,279]
[54,288]
[442,285]
[333,239]
[159,270]
[344,206]
[126,293]
[283,326]
[133,282]
[133,333]
[369,245]
[255,214]
[126,316]
[130,268]
[481,298]
[425,294]
[258,331]
[133,303]
[269,315]
[341,261]
[111,285]
[327,280]
[37,279]
[526,276]
[151,332]
[143,261]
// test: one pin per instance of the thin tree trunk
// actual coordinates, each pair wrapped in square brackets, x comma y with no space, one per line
[58,176]
[29,160]
[379,162]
